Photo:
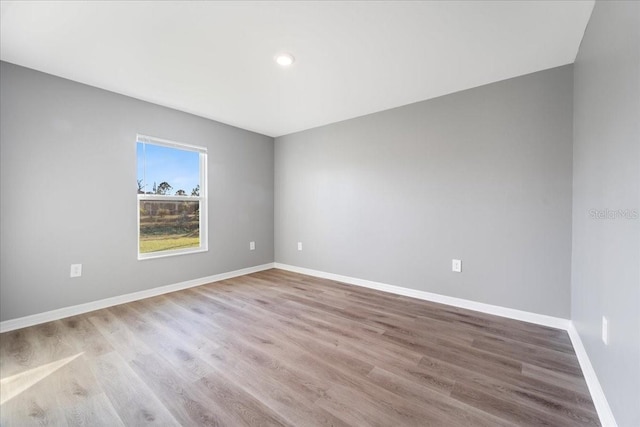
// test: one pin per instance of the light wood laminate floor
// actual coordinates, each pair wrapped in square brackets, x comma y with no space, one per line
[279,348]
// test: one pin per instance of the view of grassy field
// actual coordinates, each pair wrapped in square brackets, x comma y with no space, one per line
[169,225]
[167,242]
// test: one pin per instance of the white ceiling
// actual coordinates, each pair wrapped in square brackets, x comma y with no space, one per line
[215,59]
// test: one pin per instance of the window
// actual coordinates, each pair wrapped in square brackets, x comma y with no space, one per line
[172,198]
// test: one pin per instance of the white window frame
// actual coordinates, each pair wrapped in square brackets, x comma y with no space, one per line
[202,198]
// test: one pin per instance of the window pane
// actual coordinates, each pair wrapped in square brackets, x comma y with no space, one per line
[169,225]
[166,170]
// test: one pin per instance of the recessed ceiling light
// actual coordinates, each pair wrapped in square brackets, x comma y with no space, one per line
[284,59]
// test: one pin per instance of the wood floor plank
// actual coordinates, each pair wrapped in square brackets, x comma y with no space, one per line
[248,349]
[283,399]
[36,405]
[340,402]
[556,390]
[121,338]
[90,410]
[504,408]
[323,332]
[568,413]
[573,382]
[189,404]
[85,336]
[246,409]
[135,403]
[533,354]
[279,348]
[446,411]
[18,352]
[32,347]
[64,394]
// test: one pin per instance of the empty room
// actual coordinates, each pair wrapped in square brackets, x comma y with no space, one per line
[305,213]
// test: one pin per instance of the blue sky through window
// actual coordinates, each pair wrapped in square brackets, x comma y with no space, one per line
[156,163]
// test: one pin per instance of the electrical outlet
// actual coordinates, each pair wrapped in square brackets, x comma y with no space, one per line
[605,331]
[76,270]
[456,265]
[252,246]
[299,246]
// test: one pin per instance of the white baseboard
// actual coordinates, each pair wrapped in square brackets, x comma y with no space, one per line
[48,316]
[540,319]
[597,394]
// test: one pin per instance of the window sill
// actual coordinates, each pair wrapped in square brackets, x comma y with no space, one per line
[165,254]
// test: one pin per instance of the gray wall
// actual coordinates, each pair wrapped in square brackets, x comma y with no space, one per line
[606,164]
[482,175]
[68,184]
